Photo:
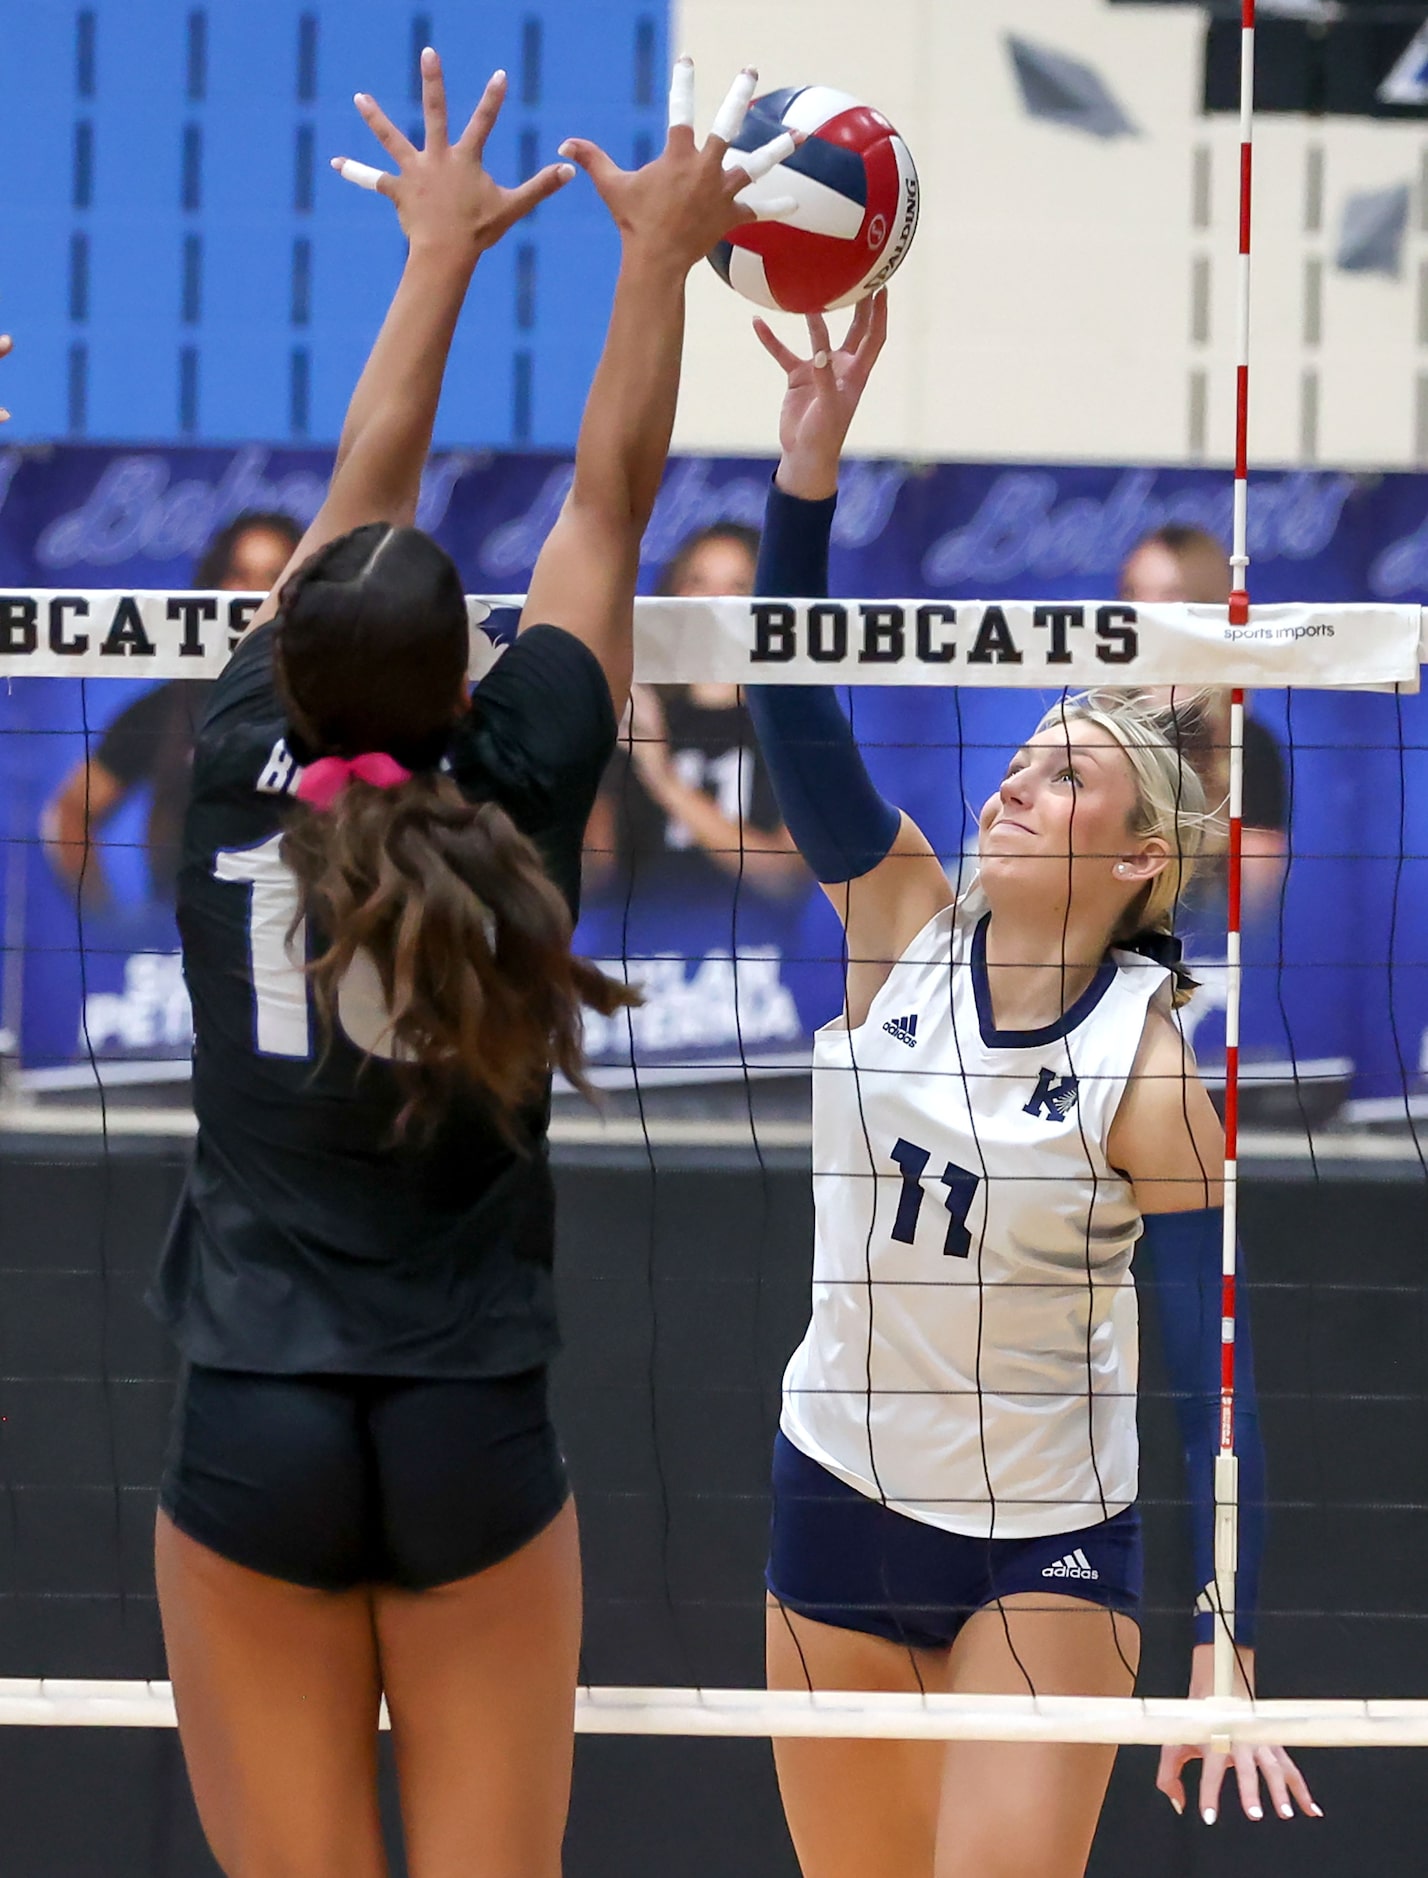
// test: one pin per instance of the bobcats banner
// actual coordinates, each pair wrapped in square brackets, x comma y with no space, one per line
[1004,581]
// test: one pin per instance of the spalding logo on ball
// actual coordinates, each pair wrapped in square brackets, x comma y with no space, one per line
[856,194]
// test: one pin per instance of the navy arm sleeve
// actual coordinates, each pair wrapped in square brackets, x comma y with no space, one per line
[829,803]
[1183,1270]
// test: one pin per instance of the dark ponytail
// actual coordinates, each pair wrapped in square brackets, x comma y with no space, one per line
[469,937]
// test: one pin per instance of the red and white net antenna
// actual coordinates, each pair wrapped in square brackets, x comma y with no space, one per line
[1227,1493]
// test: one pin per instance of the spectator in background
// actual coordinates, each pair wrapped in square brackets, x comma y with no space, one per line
[1178,563]
[687,795]
[151,740]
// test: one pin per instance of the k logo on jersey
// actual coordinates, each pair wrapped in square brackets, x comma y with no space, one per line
[1054,1096]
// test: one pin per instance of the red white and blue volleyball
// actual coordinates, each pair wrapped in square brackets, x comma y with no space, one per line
[855,190]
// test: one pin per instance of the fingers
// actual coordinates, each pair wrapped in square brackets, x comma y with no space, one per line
[483,118]
[397,147]
[362,174]
[600,168]
[877,322]
[6,342]
[433,99]
[781,355]
[681,95]
[822,342]
[729,118]
[1212,1775]
[757,163]
[1247,1778]
[540,186]
[1297,1785]
[1167,1778]
[770,209]
[1275,1783]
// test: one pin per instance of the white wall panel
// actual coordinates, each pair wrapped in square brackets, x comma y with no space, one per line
[1047,310]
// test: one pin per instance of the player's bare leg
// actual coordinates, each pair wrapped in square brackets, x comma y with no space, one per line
[1030,1811]
[278,1697]
[480,1682]
[855,1809]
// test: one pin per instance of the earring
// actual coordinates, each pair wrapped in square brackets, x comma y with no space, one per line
[1122,869]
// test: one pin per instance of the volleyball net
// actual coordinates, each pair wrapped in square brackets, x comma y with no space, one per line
[1332,1029]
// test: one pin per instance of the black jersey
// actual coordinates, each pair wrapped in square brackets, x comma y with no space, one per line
[306,1241]
[713,748]
[151,741]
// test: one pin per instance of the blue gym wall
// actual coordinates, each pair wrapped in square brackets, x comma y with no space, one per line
[177,260]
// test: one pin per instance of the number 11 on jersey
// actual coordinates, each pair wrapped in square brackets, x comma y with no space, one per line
[911,1162]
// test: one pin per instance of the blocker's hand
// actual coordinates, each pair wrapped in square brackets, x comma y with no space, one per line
[1283,1781]
[6,342]
[682,204]
[443,194]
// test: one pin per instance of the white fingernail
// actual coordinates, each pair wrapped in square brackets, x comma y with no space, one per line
[1316,1812]
[1286,1811]
[498,77]
[359,98]
[565,171]
[1179,1805]
[1255,1812]
[1209,1816]
[821,361]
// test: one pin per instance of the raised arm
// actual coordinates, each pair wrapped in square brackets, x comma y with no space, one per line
[669,214]
[875,865]
[451,212]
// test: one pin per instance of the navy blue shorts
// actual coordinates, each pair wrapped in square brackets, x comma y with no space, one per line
[841,1558]
[339,1481]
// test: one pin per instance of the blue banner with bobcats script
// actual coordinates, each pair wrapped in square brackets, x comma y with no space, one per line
[737,969]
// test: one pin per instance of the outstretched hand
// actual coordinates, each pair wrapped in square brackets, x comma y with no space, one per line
[443,194]
[823,394]
[683,203]
[1285,1785]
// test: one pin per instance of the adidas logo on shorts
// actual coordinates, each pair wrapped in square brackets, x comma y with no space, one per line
[904,1029]
[1074,1565]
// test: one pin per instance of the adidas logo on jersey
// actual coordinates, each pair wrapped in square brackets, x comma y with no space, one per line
[904,1029]
[1074,1565]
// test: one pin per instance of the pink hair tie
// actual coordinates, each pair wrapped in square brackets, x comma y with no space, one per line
[322,782]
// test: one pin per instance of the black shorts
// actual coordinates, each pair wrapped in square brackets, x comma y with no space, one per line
[844,1559]
[340,1481]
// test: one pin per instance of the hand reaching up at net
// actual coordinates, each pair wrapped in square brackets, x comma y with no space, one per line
[823,395]
[443,193]
[6,343]
[675,209]
[1286,1786]
[451,211]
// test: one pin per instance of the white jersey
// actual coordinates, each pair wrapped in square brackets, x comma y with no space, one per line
[973,1351]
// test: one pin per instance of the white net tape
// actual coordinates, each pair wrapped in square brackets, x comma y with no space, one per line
[839,1714]
[1035,645]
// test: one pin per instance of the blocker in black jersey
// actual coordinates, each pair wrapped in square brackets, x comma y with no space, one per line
[305,1241]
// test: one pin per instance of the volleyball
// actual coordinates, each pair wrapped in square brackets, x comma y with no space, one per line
[855,188]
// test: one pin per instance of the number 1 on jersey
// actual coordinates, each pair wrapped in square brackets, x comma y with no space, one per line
[911,1162]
